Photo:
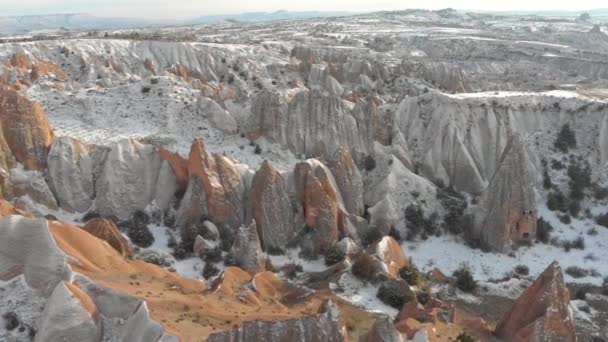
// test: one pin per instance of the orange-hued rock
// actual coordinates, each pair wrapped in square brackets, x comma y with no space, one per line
[268,285]
[409,327]
[390,253]
[319,200]
[178,164]
[109,232]
[436,275]
[7,209]
[214,190]
[149,65]
[181,305]
[45,68]
[25,129]
[20,60]
[85,300]
[541,313]
[271,208]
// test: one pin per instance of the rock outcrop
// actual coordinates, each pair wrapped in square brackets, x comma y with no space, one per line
[24,129]
[349,180]
[322,327]
[132,177]
[271,208]
[28,248]
[215,192]
[71,169]
[383,330]
[390,254]
[109,232]
[541,313]
[69,315]
[247,250]
[321,203]
[507,210]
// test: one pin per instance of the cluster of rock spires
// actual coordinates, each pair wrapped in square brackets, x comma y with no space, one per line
[541,313]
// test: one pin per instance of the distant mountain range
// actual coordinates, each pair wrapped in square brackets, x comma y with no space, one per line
[18,25]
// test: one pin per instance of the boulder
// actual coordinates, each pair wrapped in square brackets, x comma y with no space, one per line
[271,208]
[541,313]
[71,168]
[507,209]
[25,130]
[247,249]
[349,180]
[383,330]
[391,255]
[30,186]
[109,232]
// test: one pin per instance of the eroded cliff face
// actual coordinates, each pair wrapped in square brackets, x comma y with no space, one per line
[541,313]
[271,208]
[322,327]
[215,191]
[507,210]
[25,130]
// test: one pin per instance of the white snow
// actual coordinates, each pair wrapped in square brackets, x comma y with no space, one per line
[361,294]
[449,253]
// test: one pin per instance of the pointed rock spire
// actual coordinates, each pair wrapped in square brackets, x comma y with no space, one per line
[541,313]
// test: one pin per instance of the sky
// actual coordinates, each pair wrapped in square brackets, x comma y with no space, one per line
[174,9]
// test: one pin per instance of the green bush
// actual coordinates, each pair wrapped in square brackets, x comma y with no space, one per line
[602,220]
[580,179]
[464,279]
[410,274]
[395,293]
[210,270]
[334,255]
[543,230]
[556,201]
[464,337]
[566,139]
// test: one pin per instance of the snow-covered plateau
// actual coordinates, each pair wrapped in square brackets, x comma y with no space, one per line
[394,176]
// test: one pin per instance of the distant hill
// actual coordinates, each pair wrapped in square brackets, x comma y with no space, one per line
[18,25]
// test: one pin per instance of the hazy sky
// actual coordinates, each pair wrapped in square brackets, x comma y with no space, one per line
[193,8]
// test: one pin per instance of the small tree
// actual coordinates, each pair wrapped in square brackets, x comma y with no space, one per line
[364,267]
[543,230]
[334,255]
[410,274]
[566,139]
[395,293]
[464,279]
[369,163]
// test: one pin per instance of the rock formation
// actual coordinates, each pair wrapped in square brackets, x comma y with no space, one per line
[541,313]
[132,177]
[215,191]
[71,169]
[390,254]
[508,207]
[25,130]
[271,208]
[349,180]
[321,202]
[322,327]
[107,231]
[68,315]
[383,330]
[247,249]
